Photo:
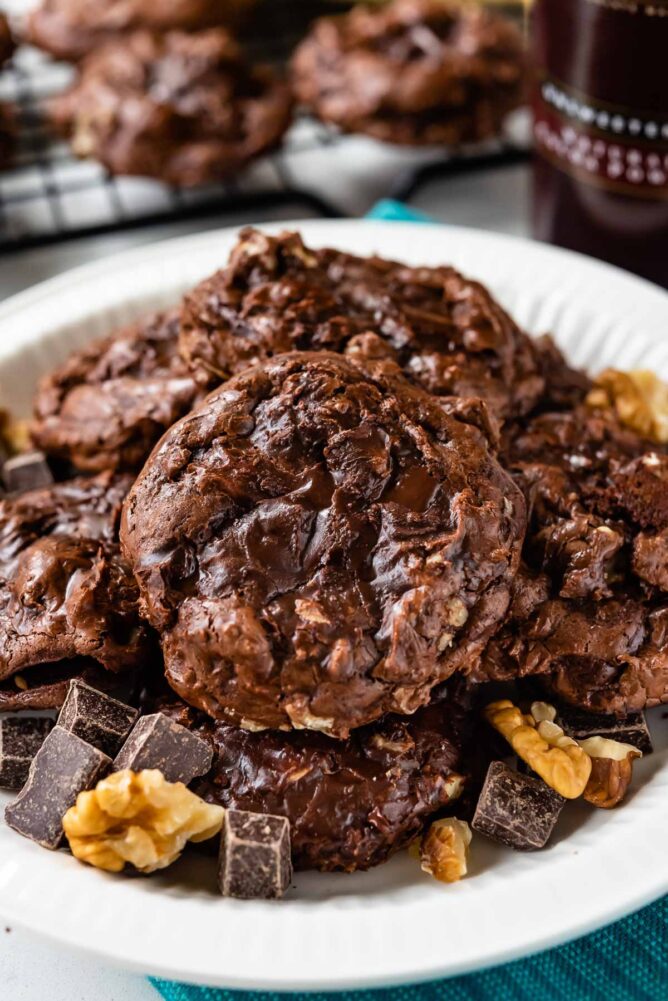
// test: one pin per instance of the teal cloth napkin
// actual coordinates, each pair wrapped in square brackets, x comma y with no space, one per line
[627,961]
[393,211]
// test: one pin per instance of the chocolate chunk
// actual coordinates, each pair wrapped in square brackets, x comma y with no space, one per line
[254,855]
[517,810]
[27,471]
[158,742]
[628,730]
[64,766]
[97,718]
[20,739]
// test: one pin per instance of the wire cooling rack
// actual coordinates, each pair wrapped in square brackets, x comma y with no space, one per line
[48,196]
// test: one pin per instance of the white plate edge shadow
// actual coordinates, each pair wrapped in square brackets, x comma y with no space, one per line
[374,951]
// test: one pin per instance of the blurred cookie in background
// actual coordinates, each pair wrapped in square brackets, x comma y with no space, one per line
[69,29]
[183,108]
[7,43]
[413,72]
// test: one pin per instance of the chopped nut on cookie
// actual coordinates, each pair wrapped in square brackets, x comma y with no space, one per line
[140,818]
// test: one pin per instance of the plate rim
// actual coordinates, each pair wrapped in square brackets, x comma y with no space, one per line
[29,296]
[625,286]
[417,977]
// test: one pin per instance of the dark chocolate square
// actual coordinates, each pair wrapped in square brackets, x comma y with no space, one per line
[158,742]
[97,718]
[20,739]
[27,471]
[518,810]
[63,767]
[628,729]
[255,860]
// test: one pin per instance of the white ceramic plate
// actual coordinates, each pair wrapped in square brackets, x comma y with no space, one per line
[394,924]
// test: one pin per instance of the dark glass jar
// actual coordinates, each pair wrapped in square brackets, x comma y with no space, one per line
[601,130]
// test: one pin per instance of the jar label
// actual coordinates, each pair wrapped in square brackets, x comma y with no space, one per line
[652,8]
[619,149]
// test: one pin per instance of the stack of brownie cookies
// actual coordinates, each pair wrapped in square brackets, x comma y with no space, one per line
[390,496]
[72,29]
[164,91]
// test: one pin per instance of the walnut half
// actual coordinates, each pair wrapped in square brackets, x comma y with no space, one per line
[138,818]
[558,759]
[612,770]
[444,849]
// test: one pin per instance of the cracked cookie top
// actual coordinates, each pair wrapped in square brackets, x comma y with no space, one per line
[317,546]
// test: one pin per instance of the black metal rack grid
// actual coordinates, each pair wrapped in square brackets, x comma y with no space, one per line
[47,195]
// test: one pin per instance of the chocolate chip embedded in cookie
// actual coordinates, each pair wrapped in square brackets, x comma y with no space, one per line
[182,108]
[64,589]
[351,804]
[317,546]
[108,404]
[413,72]
[446,332]
[69,29]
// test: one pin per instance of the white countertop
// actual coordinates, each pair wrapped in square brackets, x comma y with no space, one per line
[494,200]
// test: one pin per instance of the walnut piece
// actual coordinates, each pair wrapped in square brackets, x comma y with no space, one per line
[140,818]
[639,398]
[559,760]
[543,711]
[444,849]
[612,770]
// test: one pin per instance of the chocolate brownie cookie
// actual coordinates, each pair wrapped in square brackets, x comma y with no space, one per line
[64,589]
[69,29]
[351,804]
[7,43]
[108,404]
[318,547]
[445,331]
[182,108]
[45,685]
[412,72]
[591,608]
